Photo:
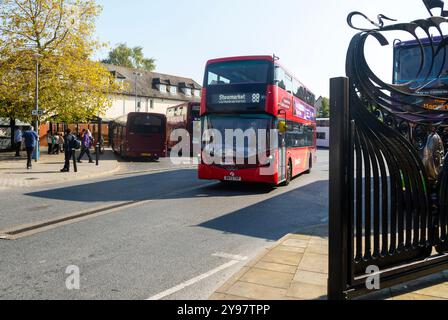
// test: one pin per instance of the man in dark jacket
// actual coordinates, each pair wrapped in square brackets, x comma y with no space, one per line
[30,143]
[69,144]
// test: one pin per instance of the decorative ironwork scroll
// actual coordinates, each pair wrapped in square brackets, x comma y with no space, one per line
[397,161]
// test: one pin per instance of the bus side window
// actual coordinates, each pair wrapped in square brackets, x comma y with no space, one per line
[295,88]
[288,83]
[279,79]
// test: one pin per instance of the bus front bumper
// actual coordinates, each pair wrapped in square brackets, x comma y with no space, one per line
[255,175]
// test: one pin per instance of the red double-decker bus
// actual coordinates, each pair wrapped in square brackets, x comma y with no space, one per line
[139,135]
[185,116]
[256,92]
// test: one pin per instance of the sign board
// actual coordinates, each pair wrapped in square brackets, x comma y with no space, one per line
[37,112]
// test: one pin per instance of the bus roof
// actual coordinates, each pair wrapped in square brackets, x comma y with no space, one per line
[124,119]
[185,104]
[239,58]
[424,41]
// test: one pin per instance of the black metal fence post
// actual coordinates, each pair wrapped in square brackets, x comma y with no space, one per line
[75,165]
[97,153]
[339,265]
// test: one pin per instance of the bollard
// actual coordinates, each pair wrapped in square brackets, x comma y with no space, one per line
[97,153]
[75,165]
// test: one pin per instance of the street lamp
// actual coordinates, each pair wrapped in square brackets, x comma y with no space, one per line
[37,56]
[136,74]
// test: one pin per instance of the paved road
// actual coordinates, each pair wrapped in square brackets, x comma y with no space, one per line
[183,229]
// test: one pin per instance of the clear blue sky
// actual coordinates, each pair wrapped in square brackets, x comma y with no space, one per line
[310,37]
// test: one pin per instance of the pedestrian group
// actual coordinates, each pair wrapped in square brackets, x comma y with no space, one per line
[57,143]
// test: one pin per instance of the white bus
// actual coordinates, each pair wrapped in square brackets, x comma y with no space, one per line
[323,132]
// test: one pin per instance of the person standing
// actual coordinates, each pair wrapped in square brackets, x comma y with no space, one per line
[50,142]
[69,144]
[31,138]
[18,137]
[86,140]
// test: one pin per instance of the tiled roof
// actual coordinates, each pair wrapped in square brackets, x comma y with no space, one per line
[148,82]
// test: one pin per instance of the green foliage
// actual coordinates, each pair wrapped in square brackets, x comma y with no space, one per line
[127,57]
[72,85]
[324,111]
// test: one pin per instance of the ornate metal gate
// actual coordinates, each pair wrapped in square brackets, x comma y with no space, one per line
[388,167]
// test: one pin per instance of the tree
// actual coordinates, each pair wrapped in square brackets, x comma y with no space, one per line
[324,111]
[73,87]
[127,57]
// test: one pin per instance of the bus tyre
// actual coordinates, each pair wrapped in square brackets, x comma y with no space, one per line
[288,174]
[122,155]
[310,166]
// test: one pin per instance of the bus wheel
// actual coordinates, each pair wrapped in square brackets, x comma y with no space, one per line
[288,174]
[310,165]
[122,155]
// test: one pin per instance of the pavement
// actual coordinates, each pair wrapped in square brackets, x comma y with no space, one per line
[13,172]
[296,268]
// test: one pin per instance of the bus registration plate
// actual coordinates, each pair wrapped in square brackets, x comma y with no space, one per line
[232,178]
[146,154]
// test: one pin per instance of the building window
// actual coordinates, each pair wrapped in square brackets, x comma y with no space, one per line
[321,136]
[186,91]
[173,90]
[162,88]
[151,104]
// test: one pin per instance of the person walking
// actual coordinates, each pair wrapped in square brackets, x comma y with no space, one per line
[61,142]
[58,142]
[69,145]
[18,137]
[50,142]
[31,138]
[86,144]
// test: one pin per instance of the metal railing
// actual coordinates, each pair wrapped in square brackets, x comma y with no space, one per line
[388,181]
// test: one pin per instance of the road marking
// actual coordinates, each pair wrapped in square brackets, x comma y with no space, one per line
[188,283]
[229,256]
[235,259]
[155,171]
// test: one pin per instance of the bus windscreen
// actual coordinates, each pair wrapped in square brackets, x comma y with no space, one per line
[146,125]
[238,72]
[408,63]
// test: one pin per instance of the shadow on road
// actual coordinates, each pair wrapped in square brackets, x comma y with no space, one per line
[164,185]
[274,218]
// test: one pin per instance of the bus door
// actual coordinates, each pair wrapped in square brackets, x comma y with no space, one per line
[282,151]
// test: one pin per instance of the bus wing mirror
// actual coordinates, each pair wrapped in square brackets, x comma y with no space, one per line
[282,127]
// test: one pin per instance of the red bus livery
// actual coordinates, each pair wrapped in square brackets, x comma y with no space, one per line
[139,135]
[183,117]
[257,93]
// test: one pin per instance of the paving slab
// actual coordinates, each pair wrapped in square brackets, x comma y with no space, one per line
[256,291]
[269,278]
[276,267]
